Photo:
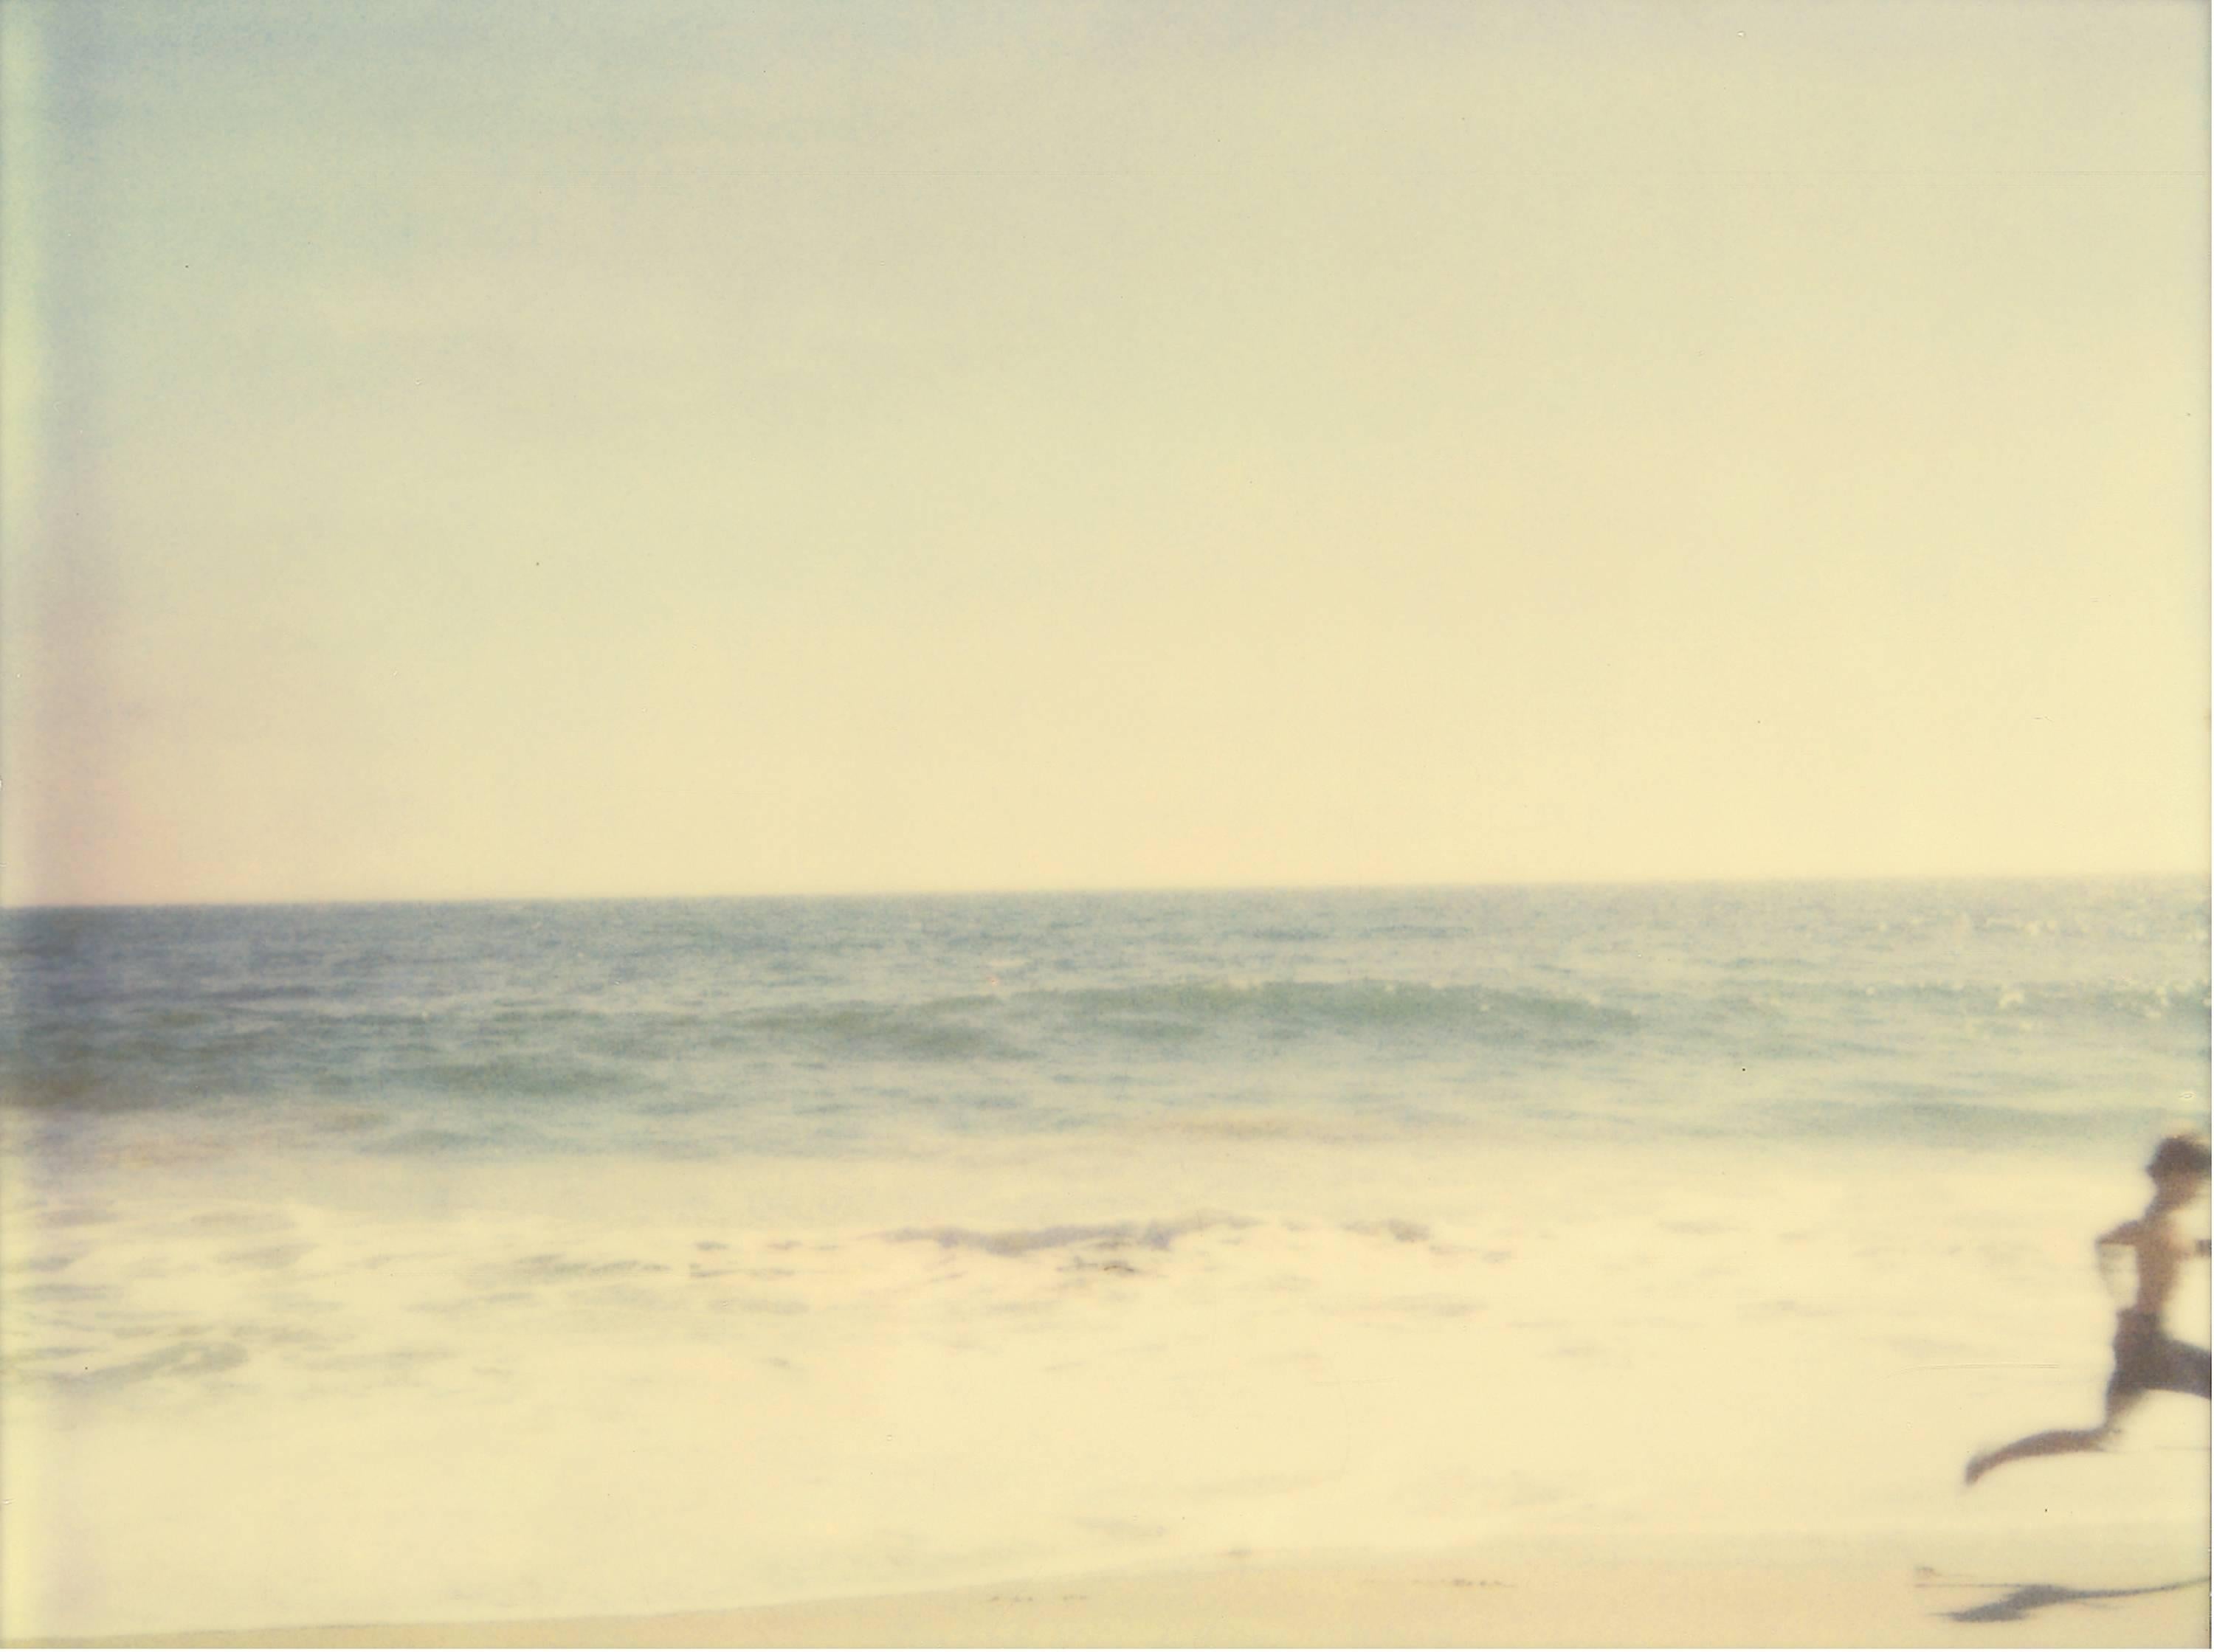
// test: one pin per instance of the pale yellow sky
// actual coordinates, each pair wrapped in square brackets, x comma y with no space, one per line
[601,448]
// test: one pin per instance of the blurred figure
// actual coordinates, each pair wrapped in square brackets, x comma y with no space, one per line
[2146,1358]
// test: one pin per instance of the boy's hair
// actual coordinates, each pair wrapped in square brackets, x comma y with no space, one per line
[2179,1153]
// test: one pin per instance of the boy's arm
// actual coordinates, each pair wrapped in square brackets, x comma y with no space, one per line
[2135,1235]
[2110,1245]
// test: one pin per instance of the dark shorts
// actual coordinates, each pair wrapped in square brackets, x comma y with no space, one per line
[2146,1358]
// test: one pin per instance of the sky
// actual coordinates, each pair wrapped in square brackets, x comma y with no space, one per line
[657,447]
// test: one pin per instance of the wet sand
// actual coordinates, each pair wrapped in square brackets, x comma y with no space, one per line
[2137,1588]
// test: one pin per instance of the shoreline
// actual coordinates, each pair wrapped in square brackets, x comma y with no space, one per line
[2080,1585]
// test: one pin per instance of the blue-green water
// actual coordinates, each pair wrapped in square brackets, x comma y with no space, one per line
[2072,1012]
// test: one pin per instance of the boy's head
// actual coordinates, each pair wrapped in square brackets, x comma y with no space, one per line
[2180,1161]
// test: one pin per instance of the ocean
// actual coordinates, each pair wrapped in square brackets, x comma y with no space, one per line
[365,1262]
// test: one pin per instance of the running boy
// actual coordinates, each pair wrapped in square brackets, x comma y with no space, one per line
[2146,1358]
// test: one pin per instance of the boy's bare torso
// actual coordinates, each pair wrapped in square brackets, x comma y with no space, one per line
[2160,1251]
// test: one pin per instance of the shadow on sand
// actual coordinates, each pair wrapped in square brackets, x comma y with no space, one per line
[2017,1605]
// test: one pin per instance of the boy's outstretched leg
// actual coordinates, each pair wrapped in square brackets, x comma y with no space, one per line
[2051,1443]
[2122,1397]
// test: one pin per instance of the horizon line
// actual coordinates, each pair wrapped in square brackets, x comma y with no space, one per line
[2202,875]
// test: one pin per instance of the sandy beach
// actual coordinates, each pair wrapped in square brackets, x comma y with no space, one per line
[2127,1588]
[1454,1401]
